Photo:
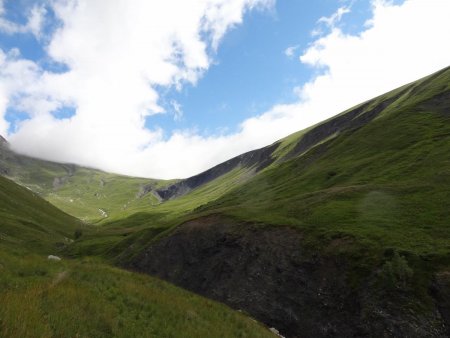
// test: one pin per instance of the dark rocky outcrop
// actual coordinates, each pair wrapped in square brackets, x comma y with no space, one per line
[257,159]
[266,272]
[440,290]
[4,155]
[351,120]
[3,141]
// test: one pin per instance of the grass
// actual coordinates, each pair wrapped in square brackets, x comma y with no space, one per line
[26,220]
[80,191]
[87,298]
[389,177]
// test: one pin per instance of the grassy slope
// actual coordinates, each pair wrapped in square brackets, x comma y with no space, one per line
[386,183]
[377,189]
[88,298]
[27,220]
[76,190]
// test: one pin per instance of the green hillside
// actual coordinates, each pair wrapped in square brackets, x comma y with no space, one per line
[366,191]
[28,221]
[385,183]
[368,177]
[88,194]
[87,297]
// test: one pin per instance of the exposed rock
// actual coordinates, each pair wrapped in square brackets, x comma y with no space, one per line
[58,182]
[144,190]
[274,330]
[53,258]
[267,273]
[103,213]
[441,292]
[257,159]
[3,142]
[353,119]
[4,155]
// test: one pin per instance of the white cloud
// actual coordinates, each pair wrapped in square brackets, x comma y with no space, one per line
[113,62]
[36,20]
[290,51]
[117,53]
[34,23]
[177,110]
[332,20]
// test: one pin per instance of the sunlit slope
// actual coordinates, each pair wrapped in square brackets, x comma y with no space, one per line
[379,172]
[88,298]
[387,181]
[88,194]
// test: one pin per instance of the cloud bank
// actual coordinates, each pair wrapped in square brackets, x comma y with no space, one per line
[115,66]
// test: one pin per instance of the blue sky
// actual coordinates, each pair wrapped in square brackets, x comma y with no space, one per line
[169,88]
[251,72]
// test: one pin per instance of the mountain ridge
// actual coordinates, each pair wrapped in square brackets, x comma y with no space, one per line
[265,156]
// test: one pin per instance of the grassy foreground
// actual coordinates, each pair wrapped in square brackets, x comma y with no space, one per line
[86,298]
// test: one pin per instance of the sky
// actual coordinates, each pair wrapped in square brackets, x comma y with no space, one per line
[169,88]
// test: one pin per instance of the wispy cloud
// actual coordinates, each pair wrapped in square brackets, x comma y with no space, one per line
[290,51]
[332,20]
[177,110]
[35,19]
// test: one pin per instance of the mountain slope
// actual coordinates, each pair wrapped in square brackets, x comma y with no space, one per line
[89,194]
[28,221]
[89,298]
[290,147]
[343,232]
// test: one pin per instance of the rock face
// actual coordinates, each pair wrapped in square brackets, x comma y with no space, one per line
[257,159]
[3,142]
[265,272]
[53,258]
[353,119]
[4,154]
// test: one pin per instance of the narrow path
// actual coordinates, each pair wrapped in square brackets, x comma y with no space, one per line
[60,276]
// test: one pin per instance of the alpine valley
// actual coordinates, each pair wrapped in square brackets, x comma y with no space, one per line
[339,230]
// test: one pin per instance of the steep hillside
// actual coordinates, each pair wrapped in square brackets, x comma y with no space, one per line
[26,220]
[254,161]
[340,230]
[89,298]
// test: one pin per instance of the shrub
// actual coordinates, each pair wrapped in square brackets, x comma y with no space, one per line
[396,273]
[78,233]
